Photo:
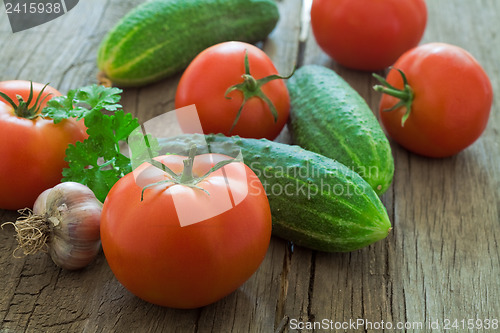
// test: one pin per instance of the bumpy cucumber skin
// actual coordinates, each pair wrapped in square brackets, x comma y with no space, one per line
[345,218]
[160,37]
[329,117]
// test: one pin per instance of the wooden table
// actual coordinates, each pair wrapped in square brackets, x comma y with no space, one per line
[441,261]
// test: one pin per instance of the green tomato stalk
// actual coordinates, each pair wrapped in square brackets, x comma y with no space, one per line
[251,87]
[22,109]
[186,178]
[404,95]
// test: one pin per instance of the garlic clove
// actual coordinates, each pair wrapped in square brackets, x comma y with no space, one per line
[66,222]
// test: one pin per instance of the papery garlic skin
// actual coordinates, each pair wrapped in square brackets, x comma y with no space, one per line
[74,216]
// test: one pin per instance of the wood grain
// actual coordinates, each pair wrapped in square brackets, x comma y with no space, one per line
[441,260]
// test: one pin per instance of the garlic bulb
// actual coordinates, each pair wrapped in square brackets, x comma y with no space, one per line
[66,222]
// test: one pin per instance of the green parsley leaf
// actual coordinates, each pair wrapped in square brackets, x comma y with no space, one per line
[142,147]
[99,97]
[97,161]
[60,108]
[123,124]
[82,103]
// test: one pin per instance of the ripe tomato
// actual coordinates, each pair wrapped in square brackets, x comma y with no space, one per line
[186,246]
[367,34]
[32,150]
[208,78]
[447,100]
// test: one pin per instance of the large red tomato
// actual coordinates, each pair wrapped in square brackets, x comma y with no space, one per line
[187,244]
[32,148]
[367,34]
[443,106]
[208,78]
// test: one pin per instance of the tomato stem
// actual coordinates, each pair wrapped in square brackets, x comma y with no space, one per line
[250,87]
[404,95]
[187,174]
[187,177]
[250,82]
[22,109]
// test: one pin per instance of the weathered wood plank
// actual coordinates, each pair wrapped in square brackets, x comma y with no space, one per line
[34,294]
[442,259]
[62,51]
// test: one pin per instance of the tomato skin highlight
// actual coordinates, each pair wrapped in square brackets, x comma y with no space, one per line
[33,150]
[191,266]
[367,35]
[212,72]
[452,100]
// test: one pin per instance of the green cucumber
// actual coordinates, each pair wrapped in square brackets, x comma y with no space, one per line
[330,118]
[316,202]
[161,37]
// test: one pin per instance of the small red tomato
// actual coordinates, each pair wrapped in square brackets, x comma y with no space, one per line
[191,240]
[32,148]
[436,101]
[236,90]
[367,34]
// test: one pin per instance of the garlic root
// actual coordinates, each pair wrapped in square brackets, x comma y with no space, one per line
[65,222]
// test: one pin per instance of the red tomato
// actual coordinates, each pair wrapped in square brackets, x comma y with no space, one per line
[32,151]
[182,246]
[208,77]
[451,102]
[367,34]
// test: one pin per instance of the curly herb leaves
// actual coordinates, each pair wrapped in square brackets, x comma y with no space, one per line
[96,162]
[83,103]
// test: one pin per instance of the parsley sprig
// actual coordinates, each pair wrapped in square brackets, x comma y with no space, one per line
[96,162]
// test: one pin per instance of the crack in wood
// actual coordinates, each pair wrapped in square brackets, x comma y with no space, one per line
[310,290]
[280,314]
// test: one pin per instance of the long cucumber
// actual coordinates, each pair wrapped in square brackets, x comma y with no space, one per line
[160,37]
[330,118]
[316,202]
